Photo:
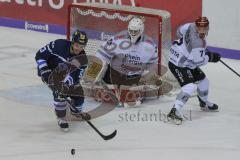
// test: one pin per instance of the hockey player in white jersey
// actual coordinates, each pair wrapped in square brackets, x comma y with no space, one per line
[187,54]
[128,54]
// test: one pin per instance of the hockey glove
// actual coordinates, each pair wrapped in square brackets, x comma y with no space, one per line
[213,57]
[81,72]
[69,80]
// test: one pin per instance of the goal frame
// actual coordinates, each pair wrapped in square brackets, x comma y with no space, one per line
[159,27]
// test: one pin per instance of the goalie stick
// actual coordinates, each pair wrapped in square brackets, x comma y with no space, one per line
[111,94]
[105,137]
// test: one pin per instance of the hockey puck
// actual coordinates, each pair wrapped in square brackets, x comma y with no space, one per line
[73,151]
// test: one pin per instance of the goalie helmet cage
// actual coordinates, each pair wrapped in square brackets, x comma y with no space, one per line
[101,21]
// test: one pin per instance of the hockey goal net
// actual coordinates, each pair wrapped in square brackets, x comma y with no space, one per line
[101,21]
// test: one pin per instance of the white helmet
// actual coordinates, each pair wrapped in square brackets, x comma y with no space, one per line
[135,28]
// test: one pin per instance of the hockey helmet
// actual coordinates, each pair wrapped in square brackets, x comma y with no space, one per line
[135,28]
[202,25]
[79,37]
[202,22]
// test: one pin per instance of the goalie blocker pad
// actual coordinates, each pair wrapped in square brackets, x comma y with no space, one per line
[95,70]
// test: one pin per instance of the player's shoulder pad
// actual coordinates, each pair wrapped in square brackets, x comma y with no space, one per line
[121,35]
[118,36]
[185,26]
[61,42]
[182,29]
[148,40]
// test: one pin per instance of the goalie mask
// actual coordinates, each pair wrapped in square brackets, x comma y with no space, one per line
[135,29]
[202,25]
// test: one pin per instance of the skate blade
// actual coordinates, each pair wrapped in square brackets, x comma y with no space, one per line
[64,129]
[177,122]
[119,105]
[174,121]
[205,109]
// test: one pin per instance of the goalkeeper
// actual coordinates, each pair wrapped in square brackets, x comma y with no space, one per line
[127,59]
[129,55]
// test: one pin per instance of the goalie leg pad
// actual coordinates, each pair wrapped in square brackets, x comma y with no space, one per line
[131,96]
[101,95]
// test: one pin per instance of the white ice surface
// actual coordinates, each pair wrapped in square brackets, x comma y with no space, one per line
[28,128]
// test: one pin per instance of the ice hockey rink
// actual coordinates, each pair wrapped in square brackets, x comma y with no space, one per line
[29,128]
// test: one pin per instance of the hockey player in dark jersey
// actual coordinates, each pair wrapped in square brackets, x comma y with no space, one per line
[60,64]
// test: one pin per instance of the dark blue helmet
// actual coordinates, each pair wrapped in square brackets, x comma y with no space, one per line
[79,37]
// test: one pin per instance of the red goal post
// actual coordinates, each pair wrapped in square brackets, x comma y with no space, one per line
[101,21]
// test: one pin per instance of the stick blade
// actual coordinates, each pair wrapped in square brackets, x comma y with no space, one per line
[110,136]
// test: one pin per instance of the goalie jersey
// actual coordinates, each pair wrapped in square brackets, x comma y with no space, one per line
[190,50]
[126,57]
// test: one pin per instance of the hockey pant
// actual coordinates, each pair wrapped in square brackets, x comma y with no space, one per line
[114,77]
[190,80]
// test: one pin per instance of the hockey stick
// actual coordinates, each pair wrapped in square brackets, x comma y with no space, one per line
[105,137]
[230,68]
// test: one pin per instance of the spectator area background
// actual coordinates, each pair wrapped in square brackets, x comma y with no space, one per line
[55,11]
[51,16]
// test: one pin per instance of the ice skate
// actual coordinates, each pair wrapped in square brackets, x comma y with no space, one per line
[63,124]
[174,116]
[207,107]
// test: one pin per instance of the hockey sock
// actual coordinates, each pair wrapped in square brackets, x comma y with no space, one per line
[60,108]
[202,90]
[182,97]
